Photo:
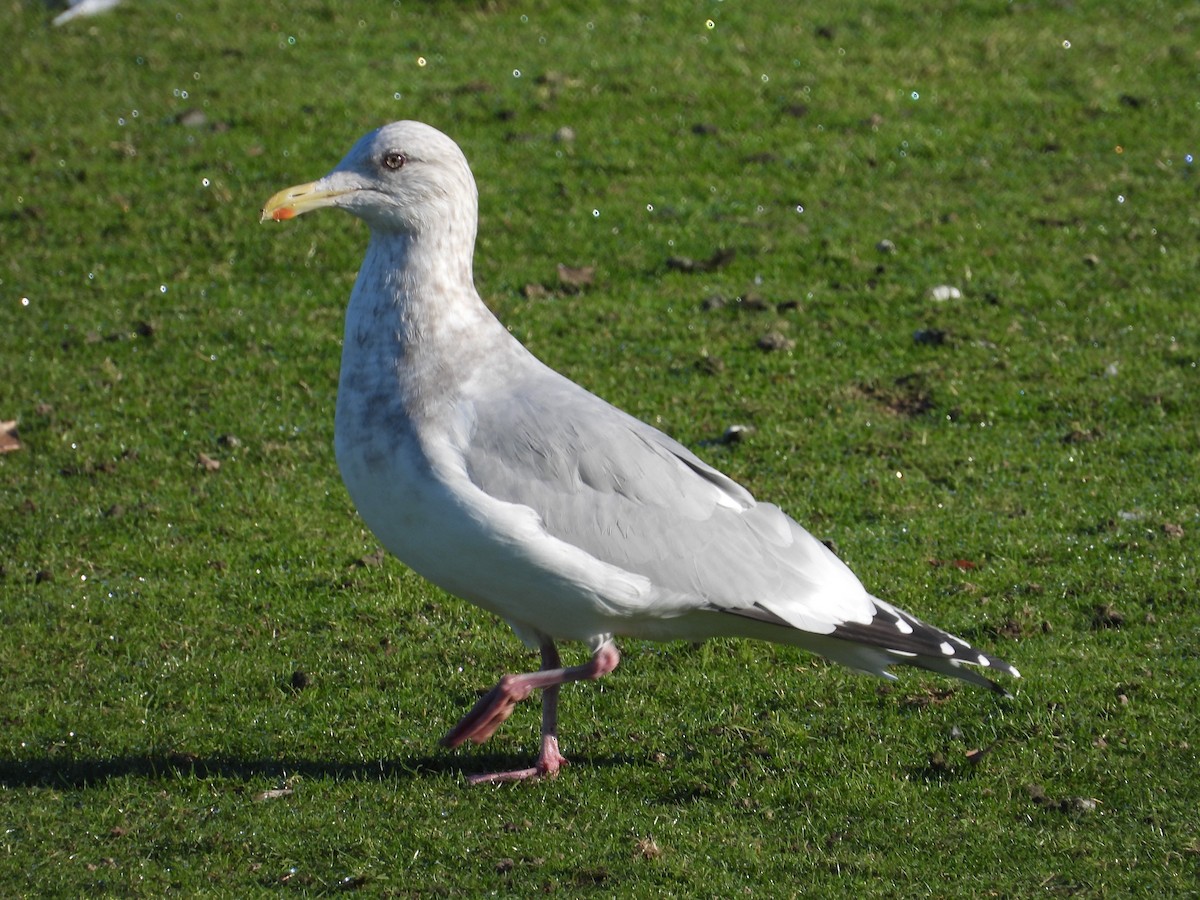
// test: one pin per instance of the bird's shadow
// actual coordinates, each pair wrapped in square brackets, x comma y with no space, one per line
[84,772]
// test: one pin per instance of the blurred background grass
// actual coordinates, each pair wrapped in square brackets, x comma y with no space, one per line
[1016,464]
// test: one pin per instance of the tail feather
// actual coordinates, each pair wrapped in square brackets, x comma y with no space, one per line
[892,637]
[916,643]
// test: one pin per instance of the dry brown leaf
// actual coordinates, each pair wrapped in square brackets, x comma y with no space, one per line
[648,848]
[576,276]
[719,260]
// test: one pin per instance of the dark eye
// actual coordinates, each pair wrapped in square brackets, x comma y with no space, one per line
[393,159]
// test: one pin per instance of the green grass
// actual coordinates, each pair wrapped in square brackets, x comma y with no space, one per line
[153,614]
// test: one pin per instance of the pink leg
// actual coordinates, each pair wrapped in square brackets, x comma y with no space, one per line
[497,705]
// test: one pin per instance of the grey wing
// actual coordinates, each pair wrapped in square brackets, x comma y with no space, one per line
[632,497]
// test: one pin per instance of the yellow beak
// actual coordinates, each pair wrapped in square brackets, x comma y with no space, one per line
[295,201]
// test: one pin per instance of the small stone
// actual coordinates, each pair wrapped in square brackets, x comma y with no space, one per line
[1170,529]
[207,463]
[8,437]
[1091,260]
[775,340]
[273,794]
[735,434]
[564,135]
[885,246]
[192,118]
[943,292]
[929,337]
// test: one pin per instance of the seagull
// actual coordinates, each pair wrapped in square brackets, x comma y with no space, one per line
[82,8]
[503,482]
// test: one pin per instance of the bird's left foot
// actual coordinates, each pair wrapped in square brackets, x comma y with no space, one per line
[547,766]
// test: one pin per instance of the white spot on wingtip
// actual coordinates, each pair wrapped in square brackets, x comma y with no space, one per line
[947,648]
[1012,670]
[984,661]
[903,627]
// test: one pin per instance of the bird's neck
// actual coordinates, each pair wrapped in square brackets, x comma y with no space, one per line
[416,330]
[420,290]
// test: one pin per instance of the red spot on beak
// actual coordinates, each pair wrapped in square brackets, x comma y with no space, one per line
[283,214]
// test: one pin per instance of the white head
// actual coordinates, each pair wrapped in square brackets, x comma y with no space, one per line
[405,178]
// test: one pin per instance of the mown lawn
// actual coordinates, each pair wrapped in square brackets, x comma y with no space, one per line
[212,683]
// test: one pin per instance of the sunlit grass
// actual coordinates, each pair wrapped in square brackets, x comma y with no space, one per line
[210,686]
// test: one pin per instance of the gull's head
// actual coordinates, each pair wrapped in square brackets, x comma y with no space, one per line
[406,178]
